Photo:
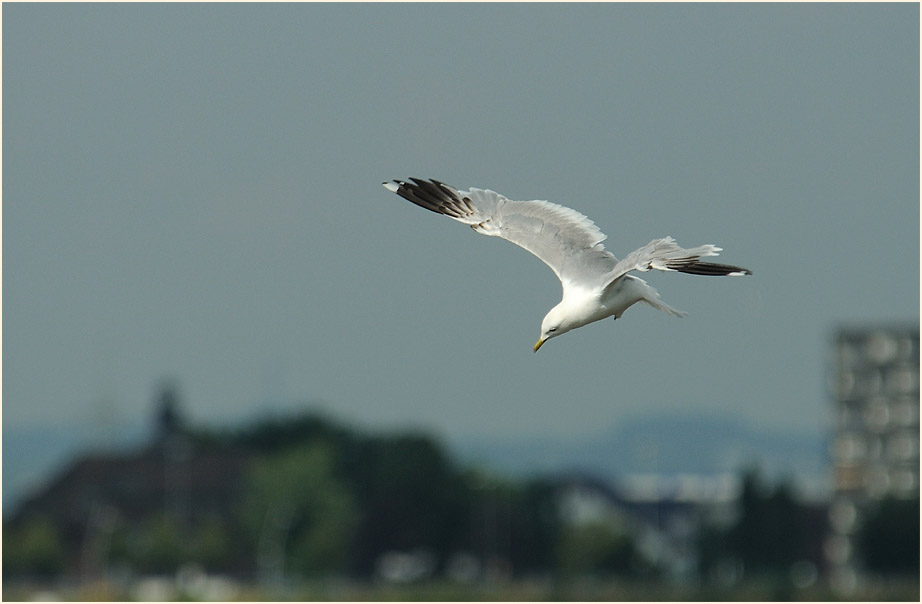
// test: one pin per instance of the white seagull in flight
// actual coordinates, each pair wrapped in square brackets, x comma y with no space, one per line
[596,285]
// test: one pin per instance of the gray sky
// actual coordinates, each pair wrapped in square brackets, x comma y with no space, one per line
[194,191]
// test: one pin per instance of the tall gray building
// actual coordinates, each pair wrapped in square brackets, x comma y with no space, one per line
[875,442]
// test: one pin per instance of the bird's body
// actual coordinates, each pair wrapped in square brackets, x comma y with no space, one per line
[596,285]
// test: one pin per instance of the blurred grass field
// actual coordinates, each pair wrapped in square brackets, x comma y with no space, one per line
[763,589]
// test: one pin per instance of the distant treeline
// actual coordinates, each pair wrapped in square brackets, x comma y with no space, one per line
[303,496]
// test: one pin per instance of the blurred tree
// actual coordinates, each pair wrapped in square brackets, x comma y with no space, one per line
[160,545]
[598,548]
[772,531]
[713,552]
[888,541]
[412,497]
[274,434]
[535,527]
[33,549]
[769,535]
[298,512]
[212,546]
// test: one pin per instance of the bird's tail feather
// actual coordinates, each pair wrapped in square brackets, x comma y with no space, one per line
[660,305]
[650,297]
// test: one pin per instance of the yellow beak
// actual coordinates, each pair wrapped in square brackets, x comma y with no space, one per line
[539,344]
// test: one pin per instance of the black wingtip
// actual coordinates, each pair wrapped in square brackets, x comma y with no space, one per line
[712,269]
[429,194]
[424,193]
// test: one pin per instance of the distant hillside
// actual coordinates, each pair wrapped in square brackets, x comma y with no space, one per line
[665,445]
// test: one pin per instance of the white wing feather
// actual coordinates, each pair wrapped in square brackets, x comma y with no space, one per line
[565,240]
[663,255]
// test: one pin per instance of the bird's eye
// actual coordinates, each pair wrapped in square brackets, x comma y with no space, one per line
[552,330]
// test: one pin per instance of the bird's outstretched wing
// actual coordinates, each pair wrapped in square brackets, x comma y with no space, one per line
[561,237]
[665,255]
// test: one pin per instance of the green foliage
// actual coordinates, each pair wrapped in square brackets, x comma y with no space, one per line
[276,434]
[772,532]
[538,524]
[159,545]
[533,517]
[299,514]
[411,497]
[597,548]
[889,539]
[769,535]
[376,493]
[33,549]
[212,544]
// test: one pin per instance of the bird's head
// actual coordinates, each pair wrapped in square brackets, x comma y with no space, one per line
[554,324]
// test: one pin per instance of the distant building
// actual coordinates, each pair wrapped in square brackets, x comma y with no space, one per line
[100,491]
[875,442]
[662,523]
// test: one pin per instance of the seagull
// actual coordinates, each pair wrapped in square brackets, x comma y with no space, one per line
[596,285]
